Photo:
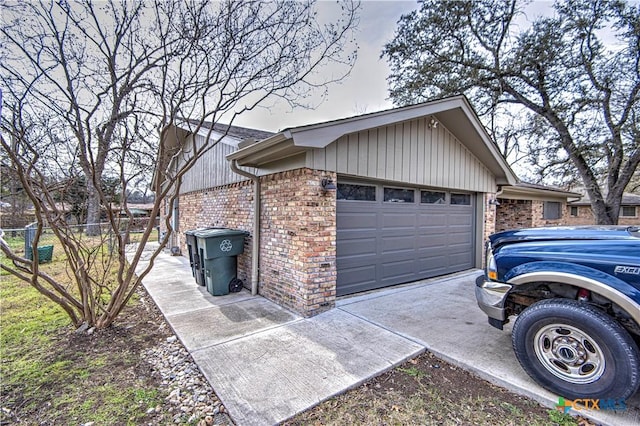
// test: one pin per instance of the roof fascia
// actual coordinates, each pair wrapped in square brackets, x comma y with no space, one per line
[257,147]
[519,192]
[323,134]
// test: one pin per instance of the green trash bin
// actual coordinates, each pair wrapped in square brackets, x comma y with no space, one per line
[218,249]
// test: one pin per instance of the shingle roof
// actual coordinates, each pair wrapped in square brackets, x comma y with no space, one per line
[236,131]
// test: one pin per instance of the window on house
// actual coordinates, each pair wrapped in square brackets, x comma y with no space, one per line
[574,211]
[551,210]
[347,191]
[432,197]
[461,199]
[628,211]
[398,195]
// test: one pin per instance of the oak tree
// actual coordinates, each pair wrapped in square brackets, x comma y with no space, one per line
[572,77]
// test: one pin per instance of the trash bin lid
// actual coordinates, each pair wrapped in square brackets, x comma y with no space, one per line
[220,232]
[193,231]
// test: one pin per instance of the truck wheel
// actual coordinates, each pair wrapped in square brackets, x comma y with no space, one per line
[576,351]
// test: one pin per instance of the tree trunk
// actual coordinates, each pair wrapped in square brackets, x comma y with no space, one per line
[93,211]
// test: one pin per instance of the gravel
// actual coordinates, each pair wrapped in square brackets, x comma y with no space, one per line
[189,397]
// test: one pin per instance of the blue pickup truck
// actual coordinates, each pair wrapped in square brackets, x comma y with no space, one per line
[575,296]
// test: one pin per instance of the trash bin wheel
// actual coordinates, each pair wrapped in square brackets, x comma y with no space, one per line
[235,285]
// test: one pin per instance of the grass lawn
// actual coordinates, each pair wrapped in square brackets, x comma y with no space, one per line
[52,375]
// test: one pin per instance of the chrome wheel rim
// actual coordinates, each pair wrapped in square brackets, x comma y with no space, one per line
[569,353]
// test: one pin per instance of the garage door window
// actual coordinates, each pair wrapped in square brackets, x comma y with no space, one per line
[397,195]
[347,191]
[461,199]
[432,197]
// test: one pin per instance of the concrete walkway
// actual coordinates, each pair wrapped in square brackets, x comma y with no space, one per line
[267,364]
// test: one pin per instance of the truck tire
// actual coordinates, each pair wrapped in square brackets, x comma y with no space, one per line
[576,351]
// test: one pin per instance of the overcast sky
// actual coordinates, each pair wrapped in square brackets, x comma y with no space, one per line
[365,90]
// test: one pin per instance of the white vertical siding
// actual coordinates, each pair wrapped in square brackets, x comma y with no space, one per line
[409,152]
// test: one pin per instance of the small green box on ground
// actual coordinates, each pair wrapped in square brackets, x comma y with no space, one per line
[45,253]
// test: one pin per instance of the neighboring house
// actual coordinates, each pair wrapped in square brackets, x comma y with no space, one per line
[580,213]
[348,205]
[527,205]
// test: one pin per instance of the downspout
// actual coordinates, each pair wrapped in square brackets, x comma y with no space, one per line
[255,249]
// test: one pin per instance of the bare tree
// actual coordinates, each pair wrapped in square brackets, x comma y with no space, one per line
[579,98]
[95,88]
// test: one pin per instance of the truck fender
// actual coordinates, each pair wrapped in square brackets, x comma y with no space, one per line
[581,276]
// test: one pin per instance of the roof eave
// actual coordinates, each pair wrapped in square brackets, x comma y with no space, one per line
[455,113]
[523,193]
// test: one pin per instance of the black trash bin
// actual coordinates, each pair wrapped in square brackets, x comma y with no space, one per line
[194,257]
[217,250]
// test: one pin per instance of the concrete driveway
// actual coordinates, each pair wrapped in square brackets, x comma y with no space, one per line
[267,364]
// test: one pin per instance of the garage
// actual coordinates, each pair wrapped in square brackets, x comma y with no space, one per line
[359,203]
[388,235]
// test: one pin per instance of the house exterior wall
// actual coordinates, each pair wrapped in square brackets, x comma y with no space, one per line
[211,170]
[489,220]
[298,260]
[409,152]
[228,206]
[297,241]
[512,214]
[538,219]
[585,217]
[521,213]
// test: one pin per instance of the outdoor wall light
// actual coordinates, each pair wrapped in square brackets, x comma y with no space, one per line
[494,202]
[433,123]
[327,184]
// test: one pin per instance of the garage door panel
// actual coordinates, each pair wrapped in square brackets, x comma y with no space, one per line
[398,243]
[432,264]
[431,242]
[398,272]
[460,239]
[355,220]
[382,244]
[433,220]
[398,221]
[457,261]
[356,247]
[364,275]
[358,261]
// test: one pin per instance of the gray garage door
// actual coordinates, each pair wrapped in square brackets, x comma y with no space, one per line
[388,235]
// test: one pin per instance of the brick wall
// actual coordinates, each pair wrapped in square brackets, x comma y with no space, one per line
[537,208]
[584,217]
[513,214]
[298,263]
[298,231]
[229,206]
[490,216]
